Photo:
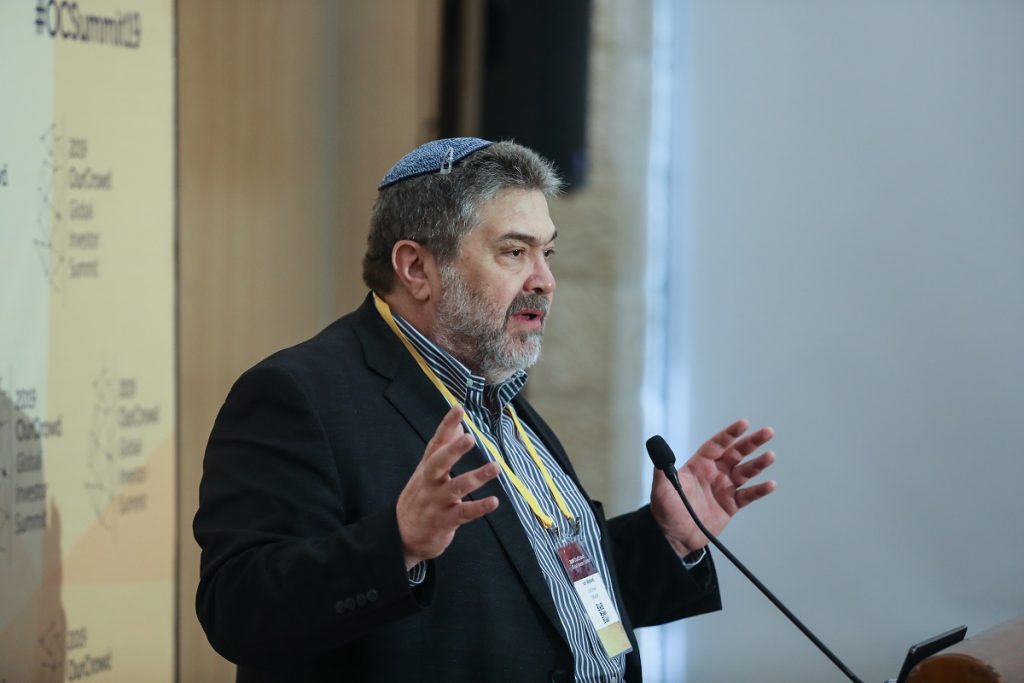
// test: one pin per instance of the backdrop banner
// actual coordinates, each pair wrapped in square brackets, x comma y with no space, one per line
[87,402]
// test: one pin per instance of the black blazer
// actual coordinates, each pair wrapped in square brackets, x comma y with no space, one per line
[302,572]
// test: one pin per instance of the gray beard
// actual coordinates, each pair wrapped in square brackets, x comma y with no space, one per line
[478,336]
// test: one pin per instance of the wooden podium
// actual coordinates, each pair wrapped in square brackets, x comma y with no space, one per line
[995,656]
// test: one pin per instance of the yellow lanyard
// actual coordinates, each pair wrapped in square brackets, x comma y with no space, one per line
[524,491]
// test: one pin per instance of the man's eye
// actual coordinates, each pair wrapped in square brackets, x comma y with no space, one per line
[516,252]
[548,253]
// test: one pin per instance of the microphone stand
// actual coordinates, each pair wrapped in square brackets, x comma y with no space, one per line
[670,471]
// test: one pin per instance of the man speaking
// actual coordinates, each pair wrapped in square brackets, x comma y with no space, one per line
[379,503]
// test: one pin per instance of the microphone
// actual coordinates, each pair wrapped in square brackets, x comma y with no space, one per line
[665,460]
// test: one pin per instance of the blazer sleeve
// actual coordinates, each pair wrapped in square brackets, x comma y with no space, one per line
[284,574]
[654,586]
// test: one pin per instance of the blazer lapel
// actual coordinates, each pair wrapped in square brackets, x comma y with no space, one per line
[423,407]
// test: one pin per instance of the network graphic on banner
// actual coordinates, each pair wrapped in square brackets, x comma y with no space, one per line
[87,511]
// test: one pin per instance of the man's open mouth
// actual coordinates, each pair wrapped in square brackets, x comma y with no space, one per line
[529,314]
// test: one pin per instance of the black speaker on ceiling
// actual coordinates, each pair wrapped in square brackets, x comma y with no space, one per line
[533,77]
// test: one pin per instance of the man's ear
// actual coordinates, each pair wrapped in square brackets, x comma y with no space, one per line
[416,270]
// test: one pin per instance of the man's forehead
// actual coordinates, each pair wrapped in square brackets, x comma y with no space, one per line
[516,214]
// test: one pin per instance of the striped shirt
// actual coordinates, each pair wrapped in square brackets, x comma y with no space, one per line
[486,405]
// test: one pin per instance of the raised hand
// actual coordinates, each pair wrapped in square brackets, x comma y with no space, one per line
[713,480]
[431,506]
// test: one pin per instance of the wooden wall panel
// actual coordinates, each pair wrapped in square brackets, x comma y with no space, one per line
[289,114]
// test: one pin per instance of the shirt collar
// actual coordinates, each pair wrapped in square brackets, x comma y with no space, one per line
[470,389]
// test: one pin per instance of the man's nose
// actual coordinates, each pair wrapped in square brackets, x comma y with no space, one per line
[541,280]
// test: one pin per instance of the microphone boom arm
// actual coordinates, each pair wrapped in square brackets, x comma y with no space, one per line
[668,467]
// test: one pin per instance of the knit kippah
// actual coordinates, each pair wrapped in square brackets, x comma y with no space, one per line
[436,156]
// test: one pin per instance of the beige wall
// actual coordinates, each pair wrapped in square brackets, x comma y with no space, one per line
[587,384]
[289,114]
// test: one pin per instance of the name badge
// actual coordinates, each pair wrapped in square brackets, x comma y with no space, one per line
[599,606]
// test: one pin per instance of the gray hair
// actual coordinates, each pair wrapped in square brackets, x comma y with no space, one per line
[438,210]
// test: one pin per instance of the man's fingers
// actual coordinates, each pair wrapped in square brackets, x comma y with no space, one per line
[447,430]
[752,442]
[475,509]
[444,458]
[467,483]
[752,493]
[725,438]
[743,473]
[740,449]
